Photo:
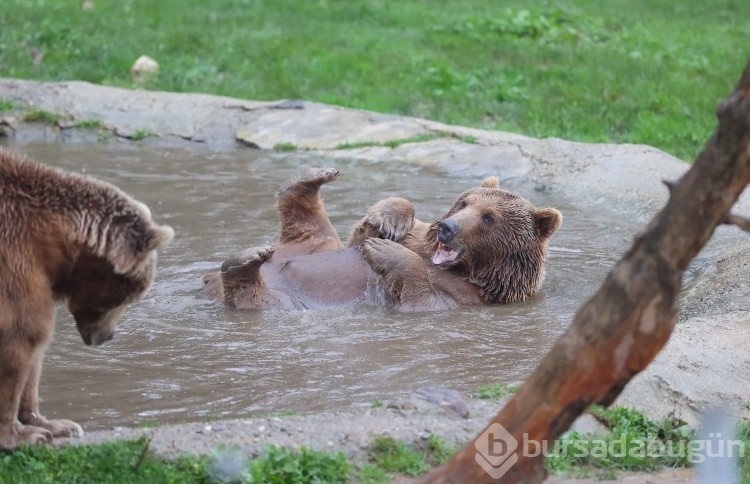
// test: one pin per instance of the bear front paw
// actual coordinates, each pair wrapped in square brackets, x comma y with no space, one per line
[391,218]
[387,257]
[60,427]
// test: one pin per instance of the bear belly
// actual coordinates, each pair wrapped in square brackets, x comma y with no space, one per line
[322,280]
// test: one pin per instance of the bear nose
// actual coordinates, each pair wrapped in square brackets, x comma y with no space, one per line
[447,230]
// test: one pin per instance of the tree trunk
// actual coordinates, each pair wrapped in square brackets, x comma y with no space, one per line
[628,321]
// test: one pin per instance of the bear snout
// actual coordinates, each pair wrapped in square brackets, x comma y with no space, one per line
[447,230]
[97,337]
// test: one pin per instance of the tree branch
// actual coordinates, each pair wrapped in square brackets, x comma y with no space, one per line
[619,331]
[738,220]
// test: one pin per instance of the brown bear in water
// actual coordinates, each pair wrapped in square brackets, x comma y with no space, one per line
[62,236]
[489,248]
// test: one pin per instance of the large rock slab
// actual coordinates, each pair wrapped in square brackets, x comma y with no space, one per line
[317,126]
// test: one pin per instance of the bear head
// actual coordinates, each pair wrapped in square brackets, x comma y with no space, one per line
[497,239]
[105,279]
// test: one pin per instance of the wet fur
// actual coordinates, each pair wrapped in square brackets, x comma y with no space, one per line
[62,237]
[503,262]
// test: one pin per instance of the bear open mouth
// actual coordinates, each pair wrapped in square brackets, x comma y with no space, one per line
[444,254]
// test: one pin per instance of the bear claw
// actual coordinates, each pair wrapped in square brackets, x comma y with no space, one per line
[253,256]
[310,178]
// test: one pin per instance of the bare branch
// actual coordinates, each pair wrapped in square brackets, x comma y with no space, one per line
[738,220]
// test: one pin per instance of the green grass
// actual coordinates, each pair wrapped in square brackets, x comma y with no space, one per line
[420,138]
[141,134]
[89,123]
[285,147]
[392,456]
[97,464]
[40,116]
[619,71]
[495,391]
[282,466]
[6,105]
[129,461]
[630,430]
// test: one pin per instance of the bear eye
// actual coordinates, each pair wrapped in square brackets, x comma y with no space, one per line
[488,219]
[462,205]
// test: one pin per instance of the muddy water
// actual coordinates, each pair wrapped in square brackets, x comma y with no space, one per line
[177,357]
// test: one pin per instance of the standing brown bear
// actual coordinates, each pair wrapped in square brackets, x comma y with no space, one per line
[489,248]
[62,237]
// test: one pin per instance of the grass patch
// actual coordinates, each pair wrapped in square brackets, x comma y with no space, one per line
[129,461]
[495,391]
[377,403]
[286,146]
[115,462]
[357,144]
[6,105]
[617,71]
[89,123]
[631,445]
[395,457]
[40,116]
[141,134]
[282,466]
[420,138]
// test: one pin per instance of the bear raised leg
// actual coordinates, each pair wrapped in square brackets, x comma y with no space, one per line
[303,217]
[407,285]
[391,218]
[28,413]
[241,274]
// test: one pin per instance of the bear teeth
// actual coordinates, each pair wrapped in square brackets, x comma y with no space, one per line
[444,253]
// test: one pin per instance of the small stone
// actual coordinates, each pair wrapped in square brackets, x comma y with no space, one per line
[262,428]
[144,68]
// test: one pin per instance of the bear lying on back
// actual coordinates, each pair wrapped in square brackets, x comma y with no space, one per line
[489,248]
[63,237]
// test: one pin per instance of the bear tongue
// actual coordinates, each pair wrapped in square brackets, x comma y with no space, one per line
[443,254]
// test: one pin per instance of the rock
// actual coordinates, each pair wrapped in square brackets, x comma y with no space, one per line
[144,69]
[704,362]
[324,127]
[445,399]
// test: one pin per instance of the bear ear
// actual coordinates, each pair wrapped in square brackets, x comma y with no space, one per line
[128,256]
[546,222]
[490,182]
[158,237]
